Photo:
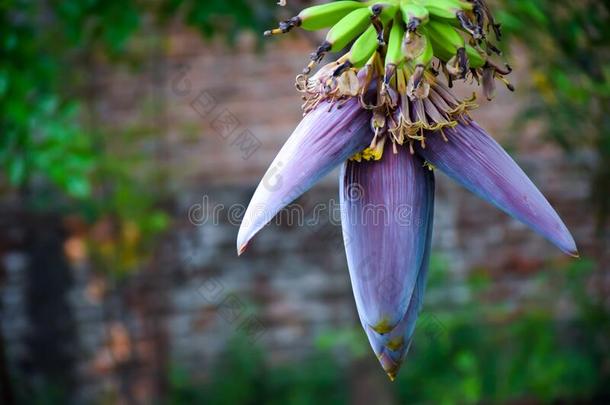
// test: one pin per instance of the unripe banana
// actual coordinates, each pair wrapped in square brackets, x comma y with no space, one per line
[361,51]
[452,10]
[326,15]
[449,46]
[382,14]
[394,55]
[440,51]
[385,10]
[445,32]
[414,15]
[476,60]
[369,42]
[393,58]
[445,9]
[318,17]
[363,48]
[348,28]
[445,40]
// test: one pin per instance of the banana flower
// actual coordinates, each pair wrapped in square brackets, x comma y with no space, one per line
[390,124]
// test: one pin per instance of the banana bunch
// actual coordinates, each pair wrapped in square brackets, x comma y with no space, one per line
[422,37]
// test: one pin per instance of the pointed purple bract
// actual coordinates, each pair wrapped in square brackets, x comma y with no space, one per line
[385,214]
[323,140]
[476,161]
[392,347]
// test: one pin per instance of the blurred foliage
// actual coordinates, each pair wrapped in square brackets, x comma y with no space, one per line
[53,153]
[244,376]
[568,46]
[235,15]
[468,353]
[495,351]
[39,127]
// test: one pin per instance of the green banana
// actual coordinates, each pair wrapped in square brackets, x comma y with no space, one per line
[454,12]
[318,17]
[445,40]
[382,14]
[394,55]
[385,10]
[414,15]
[341,34]
[444,9]
[326,15]
[363,48]
[450,47]
[476,60]
[348,28]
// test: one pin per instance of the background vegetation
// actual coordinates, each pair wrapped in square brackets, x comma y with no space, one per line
[569,51]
